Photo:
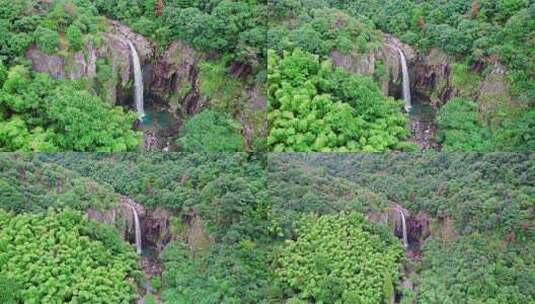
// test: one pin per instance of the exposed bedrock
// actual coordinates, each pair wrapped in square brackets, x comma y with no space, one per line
[155,223]
[175,79]
[112,51]
[431,75]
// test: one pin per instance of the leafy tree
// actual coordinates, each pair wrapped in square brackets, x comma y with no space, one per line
[43,114]
[56,258]
[316,108]
[46,39]
[211,131]
[339,259]
[74,35]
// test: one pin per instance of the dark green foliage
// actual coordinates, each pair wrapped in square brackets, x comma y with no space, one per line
[226,273]
[476,30]
[461,129]
[319,30]
[211,131]
[29,185]
[226,191]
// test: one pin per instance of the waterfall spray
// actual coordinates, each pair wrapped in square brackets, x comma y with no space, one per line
[138,81]
[406,81]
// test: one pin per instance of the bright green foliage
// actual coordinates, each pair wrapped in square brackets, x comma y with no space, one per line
[64,258]
[316,108]
[339,259]
[42,114]
[74,35]
[211,131]
[46,39]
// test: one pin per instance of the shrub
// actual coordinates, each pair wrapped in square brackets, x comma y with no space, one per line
[46,39]
[211,131]
[74,35]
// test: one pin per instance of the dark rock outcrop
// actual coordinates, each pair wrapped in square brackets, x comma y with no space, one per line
[432,77]
[176,78]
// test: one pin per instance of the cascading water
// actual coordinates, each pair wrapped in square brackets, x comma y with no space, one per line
[138,81]
[137,228]
[404,228]
[398,210]
[406,81]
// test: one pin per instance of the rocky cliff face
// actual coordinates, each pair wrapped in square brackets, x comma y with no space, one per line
[368,63]
[176,78]
[431,73]
[113,49]
[155,223]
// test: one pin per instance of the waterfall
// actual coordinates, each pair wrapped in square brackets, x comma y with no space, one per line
[138,230]
[399,210]
[138,81]
[406,81]
[404,228]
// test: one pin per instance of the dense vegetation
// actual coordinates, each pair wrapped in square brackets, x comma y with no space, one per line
[318,108]
[326,266]
[308,231]
[41,114]
[477,34]
[314,106]
[63,258]
[220,257]
[475,30]
[480,209]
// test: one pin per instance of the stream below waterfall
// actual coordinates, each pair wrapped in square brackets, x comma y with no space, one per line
[160,128]
[422,123]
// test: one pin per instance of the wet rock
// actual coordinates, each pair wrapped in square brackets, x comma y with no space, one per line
[176,78]
[366,63]
[432,77]
[157,229]
[152,142]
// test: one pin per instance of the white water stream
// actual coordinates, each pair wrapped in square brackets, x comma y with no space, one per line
[406,81]
[138,81]
[137,228]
